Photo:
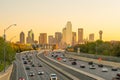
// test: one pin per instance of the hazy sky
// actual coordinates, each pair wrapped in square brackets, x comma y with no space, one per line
[52,15]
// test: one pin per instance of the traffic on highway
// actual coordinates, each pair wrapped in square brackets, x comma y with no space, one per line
[29,67]
[105,72]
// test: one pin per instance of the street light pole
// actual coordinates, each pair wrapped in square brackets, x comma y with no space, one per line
[4,36]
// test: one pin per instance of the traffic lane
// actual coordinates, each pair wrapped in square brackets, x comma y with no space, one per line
[97,71]
[72,72]
[48,70]
[20,72]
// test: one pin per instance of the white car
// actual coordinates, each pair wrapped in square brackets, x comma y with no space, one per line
[40,72]
[104,69]
[32,73]
[64,60]
[53,77]
[92,67]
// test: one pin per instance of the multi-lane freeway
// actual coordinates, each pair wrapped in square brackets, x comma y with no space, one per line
[25,59]
[21,71]
[97,71]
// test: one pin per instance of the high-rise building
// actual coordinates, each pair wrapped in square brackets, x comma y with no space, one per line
[64,35]
[58,37]
[22,38]
[91,37]
[30,38]
[80,35]
[73,38]
[51,40]
[43,38]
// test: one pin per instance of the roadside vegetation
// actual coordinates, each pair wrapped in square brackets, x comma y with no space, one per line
[98,47]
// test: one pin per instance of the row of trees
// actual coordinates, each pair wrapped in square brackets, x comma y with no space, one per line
[100,48]
[10,53]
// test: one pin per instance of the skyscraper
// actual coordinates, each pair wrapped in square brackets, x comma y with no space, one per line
[30,38]
[58,37]
[64,35]
[43,38]
[22,38]
[91,37]
[51,40]
[68,33]
[73,38]
[80,35]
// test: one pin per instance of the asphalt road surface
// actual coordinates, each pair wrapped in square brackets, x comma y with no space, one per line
[22,72]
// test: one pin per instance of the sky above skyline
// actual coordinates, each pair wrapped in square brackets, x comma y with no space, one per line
[50,16]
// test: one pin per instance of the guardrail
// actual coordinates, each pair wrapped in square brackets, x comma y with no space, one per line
[106,58]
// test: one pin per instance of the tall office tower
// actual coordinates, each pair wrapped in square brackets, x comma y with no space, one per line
[100,34]
[64,35]
[73,38]
[91,37]
[43,38]
[69,33]
[30,38]
[22,38]
[58,37]
[80,35]
[50,40]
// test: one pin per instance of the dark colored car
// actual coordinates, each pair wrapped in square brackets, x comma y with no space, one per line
[25,62]
[90,63]
[74,63]
[82,66]
[27,68]
[114,69]
[100,65]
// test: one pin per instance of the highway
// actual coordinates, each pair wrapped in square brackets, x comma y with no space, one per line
[98,71]
[74,73]
[22,72]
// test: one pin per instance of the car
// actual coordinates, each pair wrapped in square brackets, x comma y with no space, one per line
[100,65]
[118,74]
[117,77]
[23,58]
[33,65]
[114,69]
[32,73]
[64,60]
[104,69]
[40,72]
[53,76]
[92,67]
[21,78]
[39,65]
[25,62]
[90,63]
[74,63]
[82,66]
[27,68]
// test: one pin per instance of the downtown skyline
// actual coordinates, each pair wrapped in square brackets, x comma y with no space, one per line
[46,16]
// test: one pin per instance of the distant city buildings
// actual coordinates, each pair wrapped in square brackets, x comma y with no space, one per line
[91,37]
[63,39]
[43,38]
[30,38]
[73,38]
[80,35]
[22,38]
